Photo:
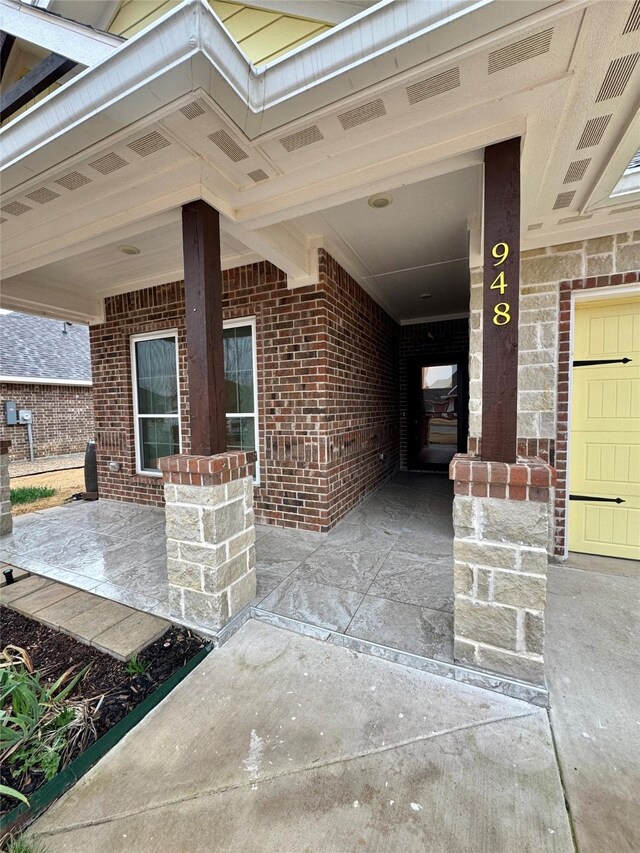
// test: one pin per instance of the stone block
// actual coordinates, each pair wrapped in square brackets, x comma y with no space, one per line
[568,247]
[462,579]
[528,337]
[483,584]
[628,258]
[514,522]
[546,424]
[536,401]
[528,423]
[169,493]
[539,378]
[183,523]
[249,519]
[463,516]
[217,579]
[6,523]
[534,560]
[484,553]
[207,611]
[242,593]
[201,495]
[521,667]
[600,265]
[556,267]
[599,245]
[173,549]
[464,652]
[242,542]
[485,623]
[548,335]
[519,589]
[222,523]
[539,356]
[183,573]
[534,632]
[202,554]
[535,300]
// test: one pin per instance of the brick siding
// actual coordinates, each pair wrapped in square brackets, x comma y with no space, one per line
[62,418]
[327,390]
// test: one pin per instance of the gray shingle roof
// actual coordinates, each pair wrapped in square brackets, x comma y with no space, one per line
[36,348]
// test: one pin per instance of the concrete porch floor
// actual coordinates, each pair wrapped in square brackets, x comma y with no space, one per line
[383,575]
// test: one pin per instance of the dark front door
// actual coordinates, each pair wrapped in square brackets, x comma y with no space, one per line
[437,417]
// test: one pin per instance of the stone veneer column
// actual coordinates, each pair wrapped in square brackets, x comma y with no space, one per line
[502,516]
[210,536]
[6,519]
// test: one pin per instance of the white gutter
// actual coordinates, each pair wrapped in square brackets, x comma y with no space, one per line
[41,380]
[80,43]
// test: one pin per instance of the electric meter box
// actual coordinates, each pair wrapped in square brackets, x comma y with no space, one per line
[24,416]
[10,413]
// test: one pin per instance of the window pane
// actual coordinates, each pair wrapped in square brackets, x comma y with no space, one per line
[238,369]
[158,437]
[241,434]
[156,373]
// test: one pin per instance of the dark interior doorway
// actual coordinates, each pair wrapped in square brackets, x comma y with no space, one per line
[437,416]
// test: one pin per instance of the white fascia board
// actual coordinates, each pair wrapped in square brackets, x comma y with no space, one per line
[80,43]
[41,380]
[189,49]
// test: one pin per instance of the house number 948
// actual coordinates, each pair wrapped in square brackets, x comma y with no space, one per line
[501,315]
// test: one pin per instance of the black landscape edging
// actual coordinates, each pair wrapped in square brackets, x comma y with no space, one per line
[74,771]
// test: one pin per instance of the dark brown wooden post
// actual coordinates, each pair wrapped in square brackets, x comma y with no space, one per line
[203,306]
[501,282]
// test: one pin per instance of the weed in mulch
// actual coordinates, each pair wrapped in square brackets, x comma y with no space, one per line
[113,687]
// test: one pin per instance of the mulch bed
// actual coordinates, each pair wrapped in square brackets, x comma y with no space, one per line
[54,652]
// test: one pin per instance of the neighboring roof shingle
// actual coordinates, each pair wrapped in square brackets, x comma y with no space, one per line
[36,348]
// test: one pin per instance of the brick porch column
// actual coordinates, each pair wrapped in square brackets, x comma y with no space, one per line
[210,536]
[6,519]
[502,519]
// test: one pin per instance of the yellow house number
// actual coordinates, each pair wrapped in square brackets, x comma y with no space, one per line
[501,315]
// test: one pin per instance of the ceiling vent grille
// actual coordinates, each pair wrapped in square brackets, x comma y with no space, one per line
[192,110]
[362,114]
[43,195]
[576,171]
[109,163]
[520,51]
[535,226]
[148,144]
[617,77]
[569,219]
[564,200]
[301,138]
[593,131]
[225,143]
[432,86]
[16,208]
[612,213]
[73,181]
[633,22]
[258,175]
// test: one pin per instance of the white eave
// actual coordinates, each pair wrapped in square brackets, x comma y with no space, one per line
[190,49]
[44,380]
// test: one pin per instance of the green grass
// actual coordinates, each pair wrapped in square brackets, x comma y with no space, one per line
[23,844]
[29,494]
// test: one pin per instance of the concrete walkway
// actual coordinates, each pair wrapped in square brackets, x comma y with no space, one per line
[106,625]
[279,743]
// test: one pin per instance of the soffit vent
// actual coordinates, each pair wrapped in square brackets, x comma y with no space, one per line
[16,208]
[432,86]
[109,163]
[362,114]
[612,213]
[576,171]
[225,143]
[520,51]
[43,195]
[73,181]
[148,144]
[258,175]
[535,226]
[569,219]
[564,200]
[301,138]
[617,77]
[633,22]
[593,131]
[192,110]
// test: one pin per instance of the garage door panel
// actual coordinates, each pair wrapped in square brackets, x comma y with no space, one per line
[610,467]
[606,530]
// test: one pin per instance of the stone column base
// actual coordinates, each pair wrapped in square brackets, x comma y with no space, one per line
[501,515]
[210,537]
[6,519]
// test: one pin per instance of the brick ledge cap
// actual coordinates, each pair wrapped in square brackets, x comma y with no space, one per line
[526,471]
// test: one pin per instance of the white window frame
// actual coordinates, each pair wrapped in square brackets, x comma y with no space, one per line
[149,336]
[234,324]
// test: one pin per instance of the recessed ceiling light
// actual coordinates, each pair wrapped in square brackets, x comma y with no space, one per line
[379,200]
[426,295]
[129,250]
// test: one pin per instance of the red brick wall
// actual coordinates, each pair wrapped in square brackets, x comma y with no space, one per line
[441,338]
[62,418]
[313,464]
